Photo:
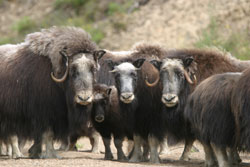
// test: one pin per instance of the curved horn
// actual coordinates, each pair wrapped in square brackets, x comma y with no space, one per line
[65,74]
[114,70]
[188,77]
[152,84]
[195,79]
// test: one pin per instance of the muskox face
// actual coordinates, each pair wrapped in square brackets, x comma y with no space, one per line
[173,76]
[79,75]
[125,75]
[101,102]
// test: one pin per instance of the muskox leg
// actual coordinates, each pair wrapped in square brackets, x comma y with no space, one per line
[137,152]
[36,149]
[209,155]
[108,153]
[120,154]
[221,155]
[233,156]
[65,144]
[16,153]
[48,141]
[72,142]
[9,149]
[187,149]
[21,143]
[1,148]
[153,145]
[94,141]
[145,151]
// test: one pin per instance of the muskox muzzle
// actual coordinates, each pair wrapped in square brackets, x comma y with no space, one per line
[84,98]
[127,97]
[99,118]
[170,100]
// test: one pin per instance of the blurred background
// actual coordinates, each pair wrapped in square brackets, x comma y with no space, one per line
[118,24]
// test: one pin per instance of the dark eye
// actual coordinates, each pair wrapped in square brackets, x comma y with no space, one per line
[181,75]
[133,74]
[117,75]
[74,71]
[93,69]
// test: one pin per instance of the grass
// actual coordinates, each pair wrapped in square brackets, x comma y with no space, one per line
[80,13]
[237,43]
[24,25]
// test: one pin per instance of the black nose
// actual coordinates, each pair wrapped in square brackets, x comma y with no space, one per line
[99,118]
[169,98]
[126,95]
[80,98]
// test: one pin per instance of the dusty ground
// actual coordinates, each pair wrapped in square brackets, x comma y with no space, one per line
[84,158]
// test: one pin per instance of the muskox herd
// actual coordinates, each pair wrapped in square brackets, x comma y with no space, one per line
[57,86]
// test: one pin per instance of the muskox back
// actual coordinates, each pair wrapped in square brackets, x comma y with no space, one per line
[209,112]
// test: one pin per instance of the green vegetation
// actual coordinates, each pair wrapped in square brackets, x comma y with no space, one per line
[237,43]
[86,14]
[24,25]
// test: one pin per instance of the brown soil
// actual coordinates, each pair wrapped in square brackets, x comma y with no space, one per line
[85,158]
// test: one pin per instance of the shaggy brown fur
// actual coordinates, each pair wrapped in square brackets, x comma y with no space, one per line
[240,106]
[31,103]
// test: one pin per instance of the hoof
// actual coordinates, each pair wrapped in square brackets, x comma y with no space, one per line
[108,157]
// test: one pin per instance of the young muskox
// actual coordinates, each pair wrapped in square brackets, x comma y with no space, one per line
[209,112]
[180,71]
[46,86]
[108,119]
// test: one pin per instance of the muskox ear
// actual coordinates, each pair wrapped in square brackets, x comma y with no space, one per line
[98,54]
[108,91]
[111,64]
[156,63]
[138,63]
[187,61]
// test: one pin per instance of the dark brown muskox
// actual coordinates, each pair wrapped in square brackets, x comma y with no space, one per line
[121,69]
[46,86]
[135,97]
[108,119]
[212,120]
[180,71]
[240,105]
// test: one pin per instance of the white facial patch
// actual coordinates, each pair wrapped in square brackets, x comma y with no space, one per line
[98,96]
[125,68]
[170,63]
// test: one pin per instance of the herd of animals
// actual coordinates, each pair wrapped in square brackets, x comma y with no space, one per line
[58,85]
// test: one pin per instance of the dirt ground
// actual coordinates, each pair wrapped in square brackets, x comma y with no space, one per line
[85,158]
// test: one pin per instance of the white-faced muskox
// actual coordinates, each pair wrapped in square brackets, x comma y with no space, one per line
[212,121]
[46,86]
[122,70]
[180,71]
[141,102]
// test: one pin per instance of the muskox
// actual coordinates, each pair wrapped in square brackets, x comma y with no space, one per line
[108,119]
[240,106]
[211,118]
[180,71]
[135,97]
[121,69]
[46,86]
